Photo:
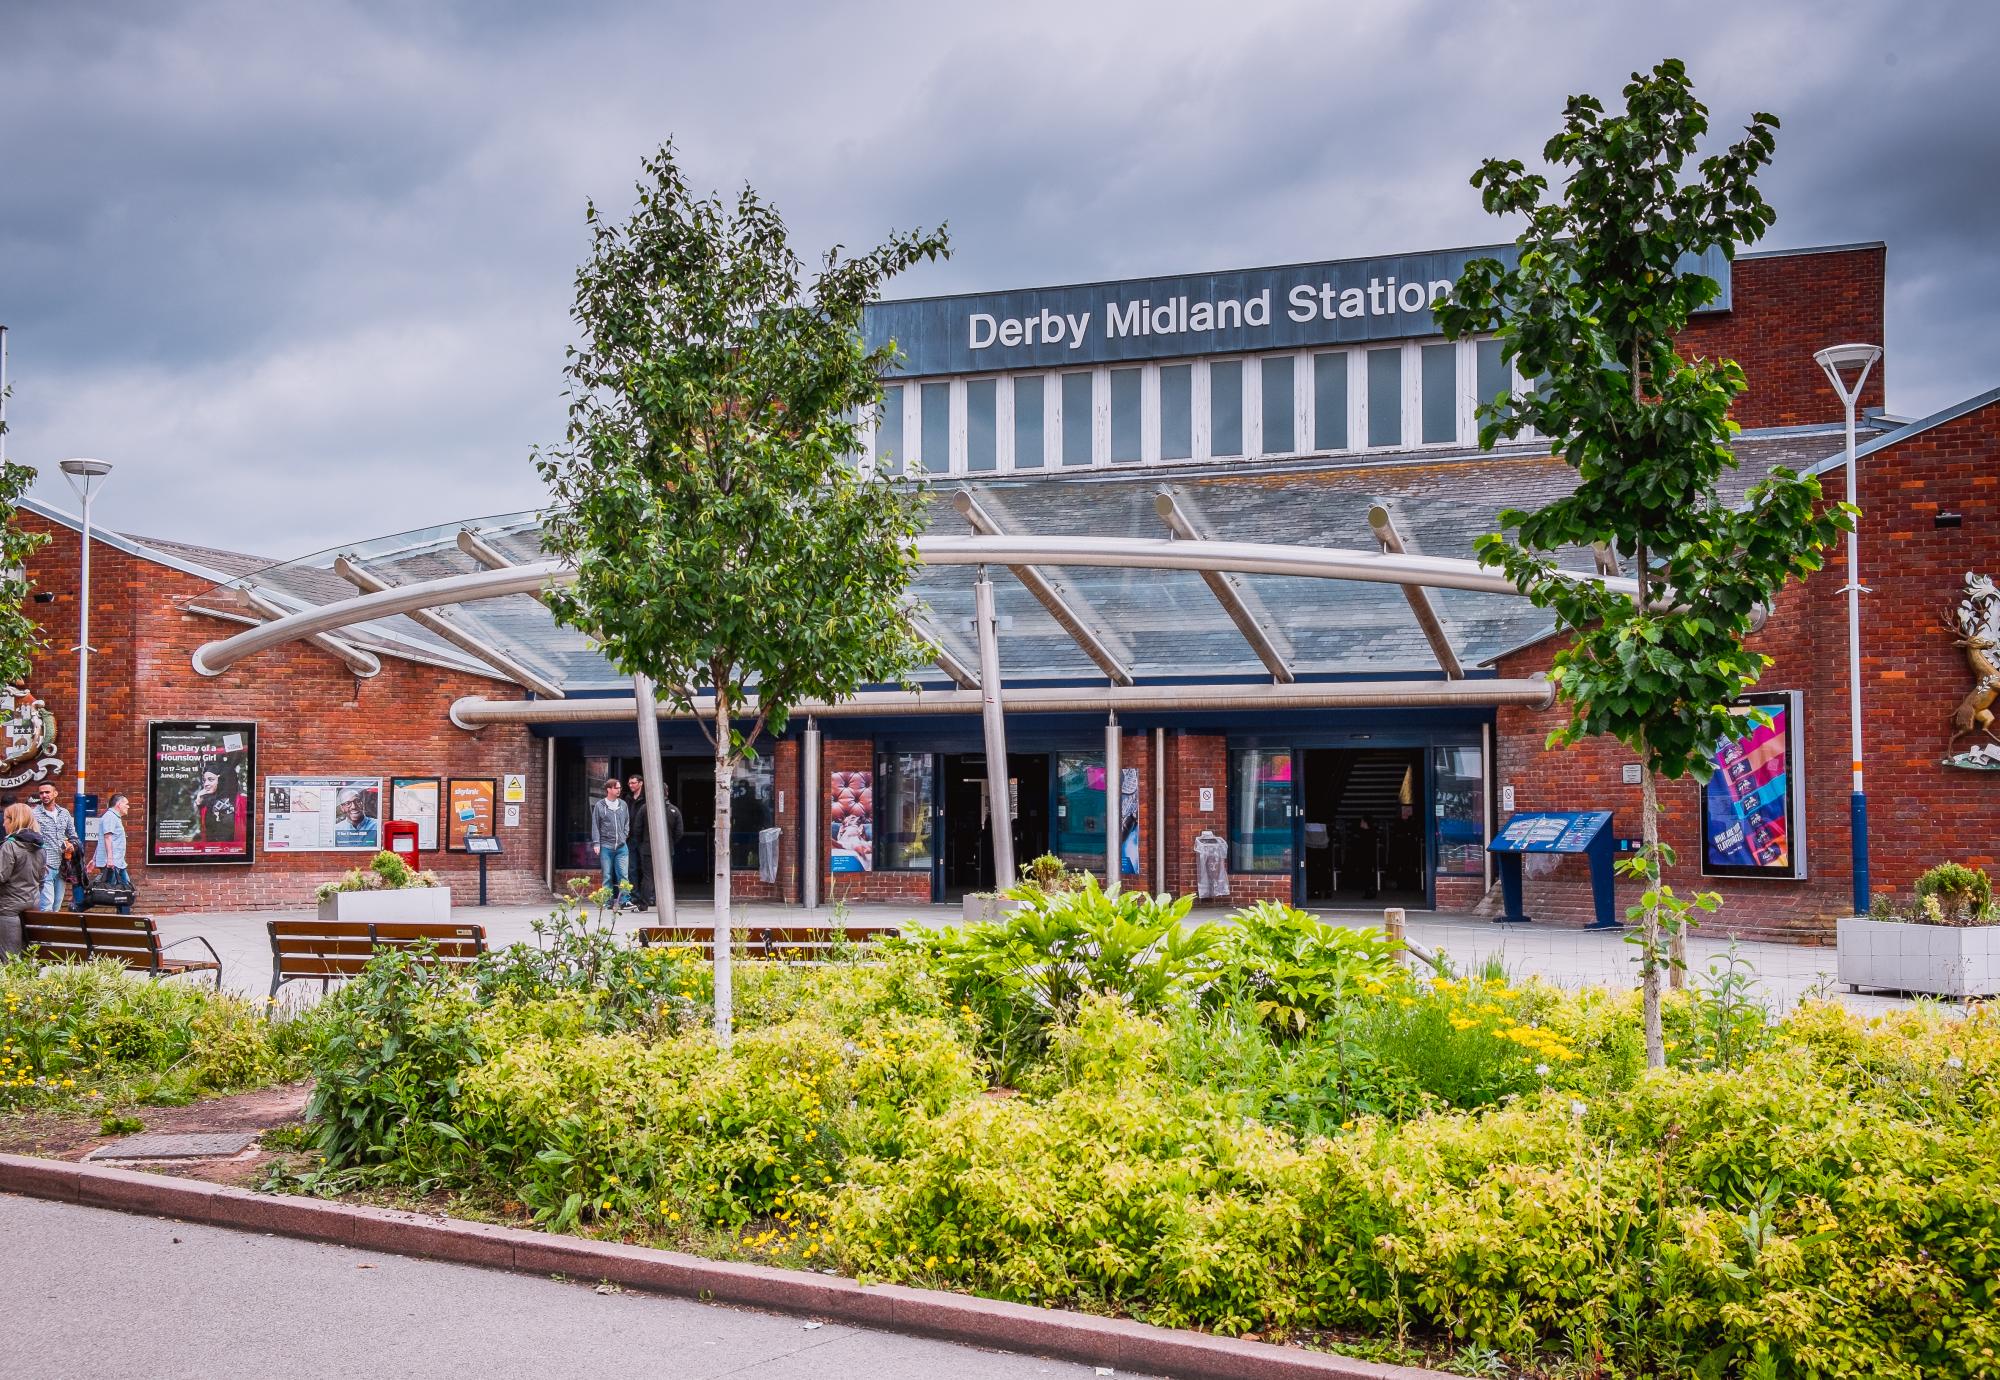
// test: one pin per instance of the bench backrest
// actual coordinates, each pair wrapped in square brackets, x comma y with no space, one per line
[71,937]
[796,942]
[341,948]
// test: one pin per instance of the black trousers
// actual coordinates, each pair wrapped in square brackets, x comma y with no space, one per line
[642,874]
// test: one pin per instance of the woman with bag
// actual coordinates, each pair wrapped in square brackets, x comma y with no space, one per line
[20,874]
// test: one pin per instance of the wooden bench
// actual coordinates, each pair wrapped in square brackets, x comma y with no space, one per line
[59,936]
[793,943]
[329,949]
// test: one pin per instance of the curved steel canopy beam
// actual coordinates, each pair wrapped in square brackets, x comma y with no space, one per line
[1139,553]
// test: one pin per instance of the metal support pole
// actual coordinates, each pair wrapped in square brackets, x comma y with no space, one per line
[1114,806]
[1833,360]
[996,734]
[1159,810]
[659,847]
[809,829]
[1487,770]
[83,669]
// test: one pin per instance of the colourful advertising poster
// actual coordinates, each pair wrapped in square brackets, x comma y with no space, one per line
[1128,821]
[850,821]
[470,812]
[322,814]
[198,801]
[415,799]
[1750,808]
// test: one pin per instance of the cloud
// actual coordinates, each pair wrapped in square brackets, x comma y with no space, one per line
[303,271]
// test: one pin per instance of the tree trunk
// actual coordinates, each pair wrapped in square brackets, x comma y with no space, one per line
[719,850]
[1649,919]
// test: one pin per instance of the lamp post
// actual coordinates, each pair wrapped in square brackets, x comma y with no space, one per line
[1847,368]
[86,477]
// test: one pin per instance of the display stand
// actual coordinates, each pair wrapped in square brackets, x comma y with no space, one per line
[1558,831]
[483,846]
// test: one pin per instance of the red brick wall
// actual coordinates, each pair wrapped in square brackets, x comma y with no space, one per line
[313,718]
[1785,307]
[1920,812]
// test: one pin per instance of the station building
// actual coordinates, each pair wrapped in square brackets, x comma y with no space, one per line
[1349,741]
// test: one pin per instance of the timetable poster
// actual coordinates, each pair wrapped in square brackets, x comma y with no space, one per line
[1751,806]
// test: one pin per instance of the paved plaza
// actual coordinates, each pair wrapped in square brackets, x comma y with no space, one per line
[1786,973]
[208,1304]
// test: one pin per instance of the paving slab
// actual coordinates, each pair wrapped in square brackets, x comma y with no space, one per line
[209,1145]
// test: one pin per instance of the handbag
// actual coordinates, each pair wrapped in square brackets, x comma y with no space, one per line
[110,895]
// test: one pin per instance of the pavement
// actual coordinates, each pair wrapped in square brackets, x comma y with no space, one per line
[1785,973]
[106,1295]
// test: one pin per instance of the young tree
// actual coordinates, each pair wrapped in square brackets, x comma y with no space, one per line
[706,496]
[1589,311]
[20,636]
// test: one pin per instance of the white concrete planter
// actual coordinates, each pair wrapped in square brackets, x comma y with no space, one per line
[407,904]
[1942,960]
[978,906]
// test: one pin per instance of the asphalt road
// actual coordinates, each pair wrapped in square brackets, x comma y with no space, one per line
[103,1294]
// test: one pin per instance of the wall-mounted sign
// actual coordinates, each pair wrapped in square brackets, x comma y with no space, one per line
[322,814]
[1288,307]
[417,799]
[468,811]
[1753,807]
[514,788]
[510,816]
[1975,629]
[850,821]
[1207,799]
[27,738]
[199,778]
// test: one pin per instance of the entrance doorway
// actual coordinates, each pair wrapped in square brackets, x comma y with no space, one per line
[966,859]
[1365,812]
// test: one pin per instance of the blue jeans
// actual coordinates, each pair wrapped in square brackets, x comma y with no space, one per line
[616,864]
[51,897]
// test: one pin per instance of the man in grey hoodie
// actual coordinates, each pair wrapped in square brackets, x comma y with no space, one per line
[610,829]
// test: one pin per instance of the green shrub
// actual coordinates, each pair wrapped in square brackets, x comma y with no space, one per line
[1296,967]
[1954,894]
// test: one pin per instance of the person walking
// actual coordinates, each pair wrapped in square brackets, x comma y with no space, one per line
[21,874]
[57,829]
[640,842]
[109,860]
[611,831]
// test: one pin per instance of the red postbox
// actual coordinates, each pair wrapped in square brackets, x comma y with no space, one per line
[399,836]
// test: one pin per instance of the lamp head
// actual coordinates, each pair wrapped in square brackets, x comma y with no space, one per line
[1842,361]
[85,475]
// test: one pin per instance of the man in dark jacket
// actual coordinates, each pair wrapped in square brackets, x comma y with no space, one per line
[642,835]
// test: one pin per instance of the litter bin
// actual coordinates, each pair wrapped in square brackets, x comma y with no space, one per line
[1211,865]
[767,854]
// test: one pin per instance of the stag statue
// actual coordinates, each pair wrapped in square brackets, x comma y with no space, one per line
[1975,626]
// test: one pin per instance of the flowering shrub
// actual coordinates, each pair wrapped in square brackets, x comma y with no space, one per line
[385,872]
[92,1032]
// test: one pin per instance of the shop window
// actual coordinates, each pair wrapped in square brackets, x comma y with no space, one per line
[934,400]
[903,811]
[1176,412]
[1079,833]
[752,797]
[1225,407]
[1028,441]
[1280,416]
[1125,416]
[1260,810]
[1460,845]
[982,404]
[1330,402]
[1385,396]
[1440,380]
[1493,376]
[1076,419]
[889,432]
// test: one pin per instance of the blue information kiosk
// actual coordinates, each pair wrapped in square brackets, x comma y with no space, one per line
[1558,831]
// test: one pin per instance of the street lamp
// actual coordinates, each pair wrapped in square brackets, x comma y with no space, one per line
[86,477]
[1847,369]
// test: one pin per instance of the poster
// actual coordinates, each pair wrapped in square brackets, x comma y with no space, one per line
[1128,821]
[198,792]
[469,811]
[1751,808]
[850,821]
[415,798]
[322,814]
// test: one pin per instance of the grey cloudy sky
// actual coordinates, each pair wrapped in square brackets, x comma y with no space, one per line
[303,271]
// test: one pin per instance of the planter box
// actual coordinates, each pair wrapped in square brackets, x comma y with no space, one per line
[1942,960]
[976,907]
[410,904]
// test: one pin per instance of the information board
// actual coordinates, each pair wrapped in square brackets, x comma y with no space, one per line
[1551,831]
[417,799]
[322,814]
